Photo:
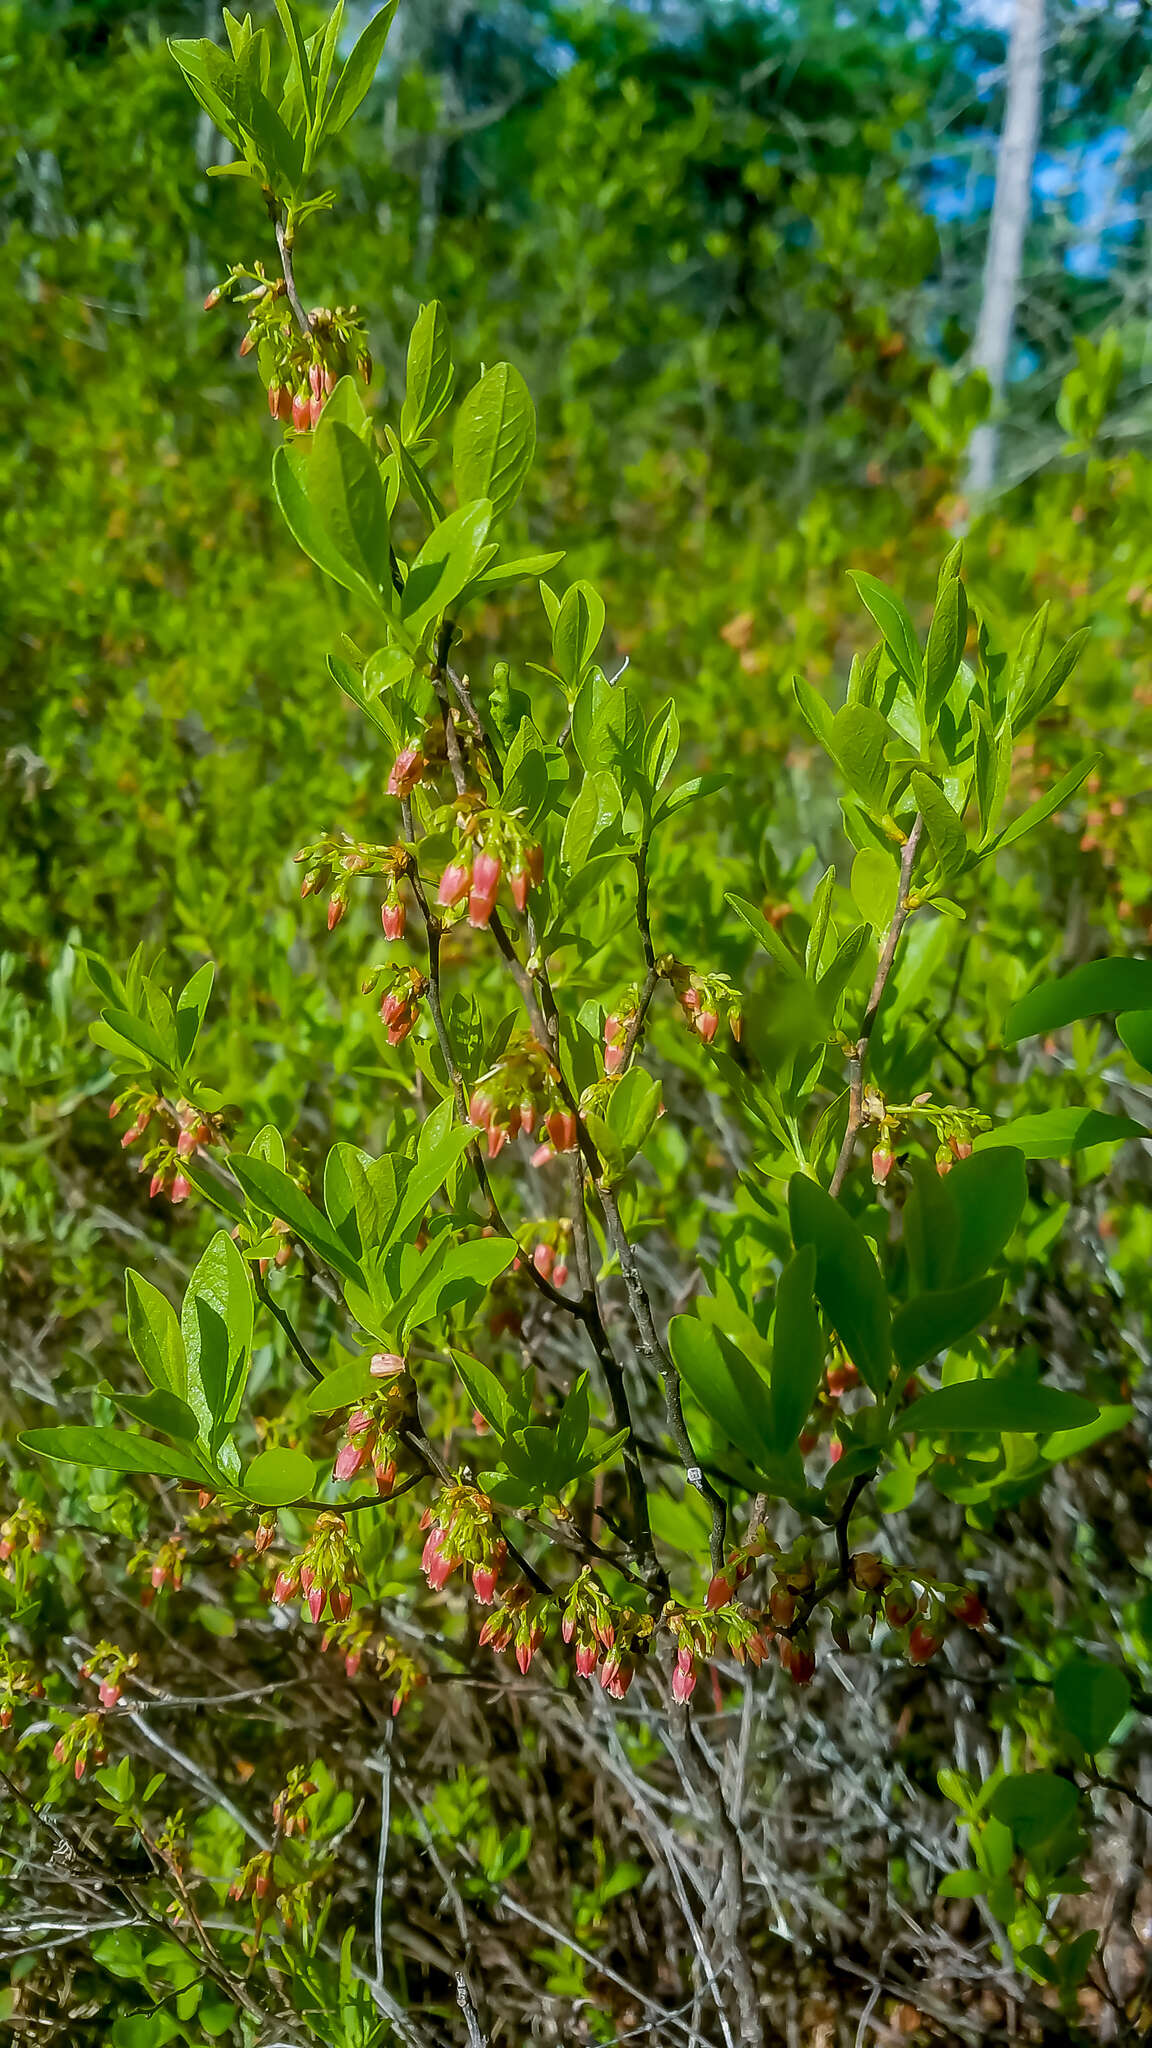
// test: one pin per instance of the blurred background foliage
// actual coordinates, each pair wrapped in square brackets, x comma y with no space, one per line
[737,253]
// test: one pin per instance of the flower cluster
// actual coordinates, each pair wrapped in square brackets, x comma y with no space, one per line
[697,1633]
[81,1744]
[521,1093]
[392,1665]
[462,1531]
[586,1621]
[184,1131]
[518,1624]
[165,1567]
[300,370]
[704,999]
[108,1667]
[550,1252]
[255,1880]
[371,1431]
[324,1572]
[489,845]
[403,990]
[21,1534]
[288,1807]
[333,862]
[19,1682]
[955,1129]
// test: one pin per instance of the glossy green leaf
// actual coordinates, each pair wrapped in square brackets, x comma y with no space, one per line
[859,739]
[158,1409]
[875,882]
[946,637]
[1045,807]
[1134,1029]
[114,1450]
[726,1386]
[849,1286]
[932,1323]
[430,375]
[191,1004]
[797,1348]
[273,1193]
[1092,991]
[1091,1699]
[154,1334]
[278,1476]
[358,73]
[1037,1806]
[985,1194]
[444,566]
[1056,1133]
[996,1408]
[946,834]
[891,615]
[767,935]
[495,439]
[576,632]
[216,1324]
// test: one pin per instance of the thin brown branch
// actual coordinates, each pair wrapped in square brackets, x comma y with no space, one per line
[859,1057]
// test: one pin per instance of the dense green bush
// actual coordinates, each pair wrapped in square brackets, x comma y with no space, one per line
[173,736]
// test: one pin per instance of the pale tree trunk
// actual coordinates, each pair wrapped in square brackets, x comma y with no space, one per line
[1011,213]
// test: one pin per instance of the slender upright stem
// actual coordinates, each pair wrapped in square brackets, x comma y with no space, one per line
[859,1055]
[294,300]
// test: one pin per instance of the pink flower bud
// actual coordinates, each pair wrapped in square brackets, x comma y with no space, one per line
[315,383]
[352,1663]
[186,1144]
[484,1577]
[721,1588]
[497,1139]
[213,299]
[542,1156]
[159,1576]
[684,1678]
[455,883]
[544,1258]
[109,1694]
[706,1023]
[835,1451]
[340,1600]
[248,344]
[520,881]
[262,1540]
[336,907]
[384,1474]
[613,1058]
[286,1588]
[480,1109]
[385,1365]
[407,770]
[181,1188]
[394,918]
[301,412]
[274,391]
[586,1656]
[351,1458]
[560,1273]
[156,1185]
[485,882]
[560,1125]
[316,1599]
[882,1163]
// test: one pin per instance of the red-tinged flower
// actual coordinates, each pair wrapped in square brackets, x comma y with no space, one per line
[616,1677]
[78,1767]
[248,344]
[684,1677]
[613,1058]
[482,896]
[455,883]
[923,1643]
[529,1117]
[156,1186]
[315,384]
[560,1273]
[159,1576]
[328,381]
[301,412]
[407,770]
[544,1258]
[317,1597]
[497,1139]
[807,1441]
[394,918]
[721,1589]
[315,408]
[274,400]
[568,1628]
[961,1148]
[835,1451]
[352,1663]
[58,1751]
[286,1588]
[560,1125]
[186,1144]
[307,1577]
[542,1156]
[337,905]
[481,1109]
[841,1378]
[351,1458]
[213,299]
[265,1531]
[384,1473]
[586,1658]
[340,1601]
[882,1164]
[385,1365]
[690,1001]
[181,1188]
[484,1577]
[109,1694]
[782,1605]
[970,1610]
[527,1647]
[437,1568]
[520,881]
[706,1024]
[498,1631]
[798,1662]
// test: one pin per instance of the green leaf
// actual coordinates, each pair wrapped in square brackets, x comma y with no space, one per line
[216,1323]
[946,637]
[300,73]
[274,1194]
[158,1409]
[945,830]
[1134,1030]
[596,808]
[849,1286]
[891,615]
[935,1322]
[875,881]
[343,1387]
[464,1270]
[495,439]
[210,75]
[154,1334]
[1102,986]
[291,487]
[191,1004]
[502,1411]
[859,738]
[430,375]
[1041,695]
[444,566]
[962,1884]
[797,1348]
[1038,812]
[821,917]
[357,75]
[115,1450]
[726,1386]
[994,1407]
[428,1177]
[767,935]
[576,632]
[815,713]
[1036,1805]
[690,792]
[986,1194]
[346,492]
[1091,1699]
[278,1476]
[1054,1133]
[159,1051]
